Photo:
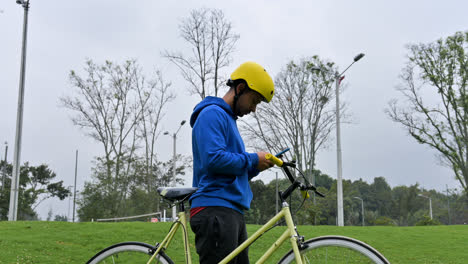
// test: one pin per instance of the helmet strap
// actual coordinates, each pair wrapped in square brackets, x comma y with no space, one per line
[236,98]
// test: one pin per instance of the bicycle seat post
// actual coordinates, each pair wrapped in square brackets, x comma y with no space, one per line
[181,206]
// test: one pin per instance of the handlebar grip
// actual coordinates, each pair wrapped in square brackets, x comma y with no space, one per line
[274,159]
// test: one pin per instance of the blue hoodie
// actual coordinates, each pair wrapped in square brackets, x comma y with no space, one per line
[221,166]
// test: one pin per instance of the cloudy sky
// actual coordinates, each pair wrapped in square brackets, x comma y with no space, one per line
[62,35]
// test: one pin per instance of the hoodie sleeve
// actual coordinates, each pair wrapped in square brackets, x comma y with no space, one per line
[211,131]
[253,171]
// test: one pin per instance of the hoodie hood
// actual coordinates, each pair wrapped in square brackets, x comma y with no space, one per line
[210,100]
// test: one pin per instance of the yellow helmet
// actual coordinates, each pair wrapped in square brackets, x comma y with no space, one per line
[256,77]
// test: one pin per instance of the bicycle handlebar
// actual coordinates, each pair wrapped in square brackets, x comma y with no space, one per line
[284,165]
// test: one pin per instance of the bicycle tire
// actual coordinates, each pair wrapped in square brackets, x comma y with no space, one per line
[128,252]
[336,249]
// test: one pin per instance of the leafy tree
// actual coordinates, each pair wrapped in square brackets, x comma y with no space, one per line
[380,195]
[405,204]
[36,185]
[212,40]
[441,69]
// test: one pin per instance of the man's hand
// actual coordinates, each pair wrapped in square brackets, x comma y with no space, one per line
[263,163]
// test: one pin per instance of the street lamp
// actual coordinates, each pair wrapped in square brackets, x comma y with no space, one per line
[4,166]
[430,204]
[74,189]
[69,202]
[174,136]
[362,208]
[338,78]
[13,209]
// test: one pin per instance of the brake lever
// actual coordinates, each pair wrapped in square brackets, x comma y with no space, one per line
[312,188]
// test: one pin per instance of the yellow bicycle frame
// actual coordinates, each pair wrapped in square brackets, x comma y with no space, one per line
[182,220]
[290,233]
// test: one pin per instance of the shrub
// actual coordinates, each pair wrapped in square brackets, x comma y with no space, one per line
[384,221]
[426,221]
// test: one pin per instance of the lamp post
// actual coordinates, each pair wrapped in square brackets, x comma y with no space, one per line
[430,204]
[74,187]
[13,209]
[448,202]
[4,166]
[362,208]
[69,202]
[174,137]
[338,78]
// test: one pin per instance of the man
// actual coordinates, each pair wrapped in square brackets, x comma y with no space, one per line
[221,166]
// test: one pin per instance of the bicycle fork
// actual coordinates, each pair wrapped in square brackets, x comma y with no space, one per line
[296,240]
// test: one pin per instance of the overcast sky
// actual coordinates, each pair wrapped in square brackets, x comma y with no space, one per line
[62,35]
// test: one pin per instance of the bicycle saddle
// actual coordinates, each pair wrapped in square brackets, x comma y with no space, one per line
[176,193]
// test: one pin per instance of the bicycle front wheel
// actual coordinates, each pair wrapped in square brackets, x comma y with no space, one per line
[129,252]
[336,249]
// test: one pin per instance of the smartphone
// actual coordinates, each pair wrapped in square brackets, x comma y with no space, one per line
[282,152]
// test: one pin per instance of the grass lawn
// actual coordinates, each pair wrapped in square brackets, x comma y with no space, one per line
[62,242]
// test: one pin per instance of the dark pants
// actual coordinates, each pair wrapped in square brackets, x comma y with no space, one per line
[218,231]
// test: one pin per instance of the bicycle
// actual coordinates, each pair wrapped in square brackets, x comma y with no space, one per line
[333,249]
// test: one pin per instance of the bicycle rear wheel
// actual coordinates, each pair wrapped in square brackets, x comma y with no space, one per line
[336,249]
[129,252]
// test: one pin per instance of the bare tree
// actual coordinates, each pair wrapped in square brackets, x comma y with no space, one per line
[300,115]
[212,42]
[119,108]
[153,100]
[438,69]
[223,41]
[104,106]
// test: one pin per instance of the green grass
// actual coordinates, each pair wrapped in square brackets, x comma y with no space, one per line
[61,242]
